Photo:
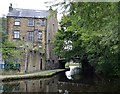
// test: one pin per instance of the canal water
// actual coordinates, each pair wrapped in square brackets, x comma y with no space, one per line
[63,83]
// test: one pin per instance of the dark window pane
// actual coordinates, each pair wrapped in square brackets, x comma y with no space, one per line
[30,22]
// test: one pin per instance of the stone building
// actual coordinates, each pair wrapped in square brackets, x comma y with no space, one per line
[33,31]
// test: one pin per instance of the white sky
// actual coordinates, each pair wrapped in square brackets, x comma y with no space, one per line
[31,4]
[25,4]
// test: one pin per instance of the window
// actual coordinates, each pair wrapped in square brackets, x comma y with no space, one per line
[16,34]
[17,21]
[40,38]
[30,22]
[39,35]
[30,36]
[37,23]
[43,22]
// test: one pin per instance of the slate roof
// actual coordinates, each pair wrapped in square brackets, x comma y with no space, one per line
[16,12]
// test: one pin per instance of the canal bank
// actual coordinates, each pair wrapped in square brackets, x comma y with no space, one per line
[41,74]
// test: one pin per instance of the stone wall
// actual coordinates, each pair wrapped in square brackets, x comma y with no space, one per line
[35,62]
[52,28]
[24,28]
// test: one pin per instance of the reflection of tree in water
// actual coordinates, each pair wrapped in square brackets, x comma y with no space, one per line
[87,84]
[75,73]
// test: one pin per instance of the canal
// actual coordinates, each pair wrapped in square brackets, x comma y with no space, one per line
[63,83]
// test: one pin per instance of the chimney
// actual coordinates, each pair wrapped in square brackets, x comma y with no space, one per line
[50,8]
[10,7]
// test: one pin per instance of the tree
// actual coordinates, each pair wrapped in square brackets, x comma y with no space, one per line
[92,29]
[10,54]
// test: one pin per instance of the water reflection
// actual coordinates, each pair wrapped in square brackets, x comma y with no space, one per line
[74,73]
[63,83]
[74,81]
[34,85]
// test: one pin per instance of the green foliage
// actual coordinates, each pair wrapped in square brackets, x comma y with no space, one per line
[92,29]
[3,35]
[4,23]
[11,55]
[9,52]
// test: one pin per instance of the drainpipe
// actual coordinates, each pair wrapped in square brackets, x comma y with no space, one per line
[26,59]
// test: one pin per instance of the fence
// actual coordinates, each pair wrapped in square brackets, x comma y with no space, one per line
[10,66]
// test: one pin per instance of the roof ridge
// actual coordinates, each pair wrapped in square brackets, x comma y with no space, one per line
[30,9]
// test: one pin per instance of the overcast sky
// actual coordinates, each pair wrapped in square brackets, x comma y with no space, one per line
[26,4]
[31,4]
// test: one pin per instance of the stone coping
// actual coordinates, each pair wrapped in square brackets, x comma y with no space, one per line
[41,74]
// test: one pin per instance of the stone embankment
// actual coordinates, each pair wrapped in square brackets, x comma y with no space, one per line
[41,74]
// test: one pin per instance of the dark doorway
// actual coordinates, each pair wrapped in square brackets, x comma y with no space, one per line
[62,64]
[41,64]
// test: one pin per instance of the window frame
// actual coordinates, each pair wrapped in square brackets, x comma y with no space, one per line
[40,35]
[40,38]
[30,21]
[16,34]
[43,22]
[17,21]
[30,37]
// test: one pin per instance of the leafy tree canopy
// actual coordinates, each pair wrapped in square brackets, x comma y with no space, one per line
[91,29]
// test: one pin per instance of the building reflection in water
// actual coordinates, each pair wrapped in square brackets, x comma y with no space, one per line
[34,85]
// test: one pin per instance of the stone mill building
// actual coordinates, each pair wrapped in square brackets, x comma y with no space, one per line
[33,31]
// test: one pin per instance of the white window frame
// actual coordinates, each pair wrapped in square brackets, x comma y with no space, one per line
[30,22]
[30,36]
[40,35]
[40,39]
[16,34]
[17,21]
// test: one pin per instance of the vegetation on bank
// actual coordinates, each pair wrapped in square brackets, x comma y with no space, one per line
[67,65]
[91,30]
[10,54]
